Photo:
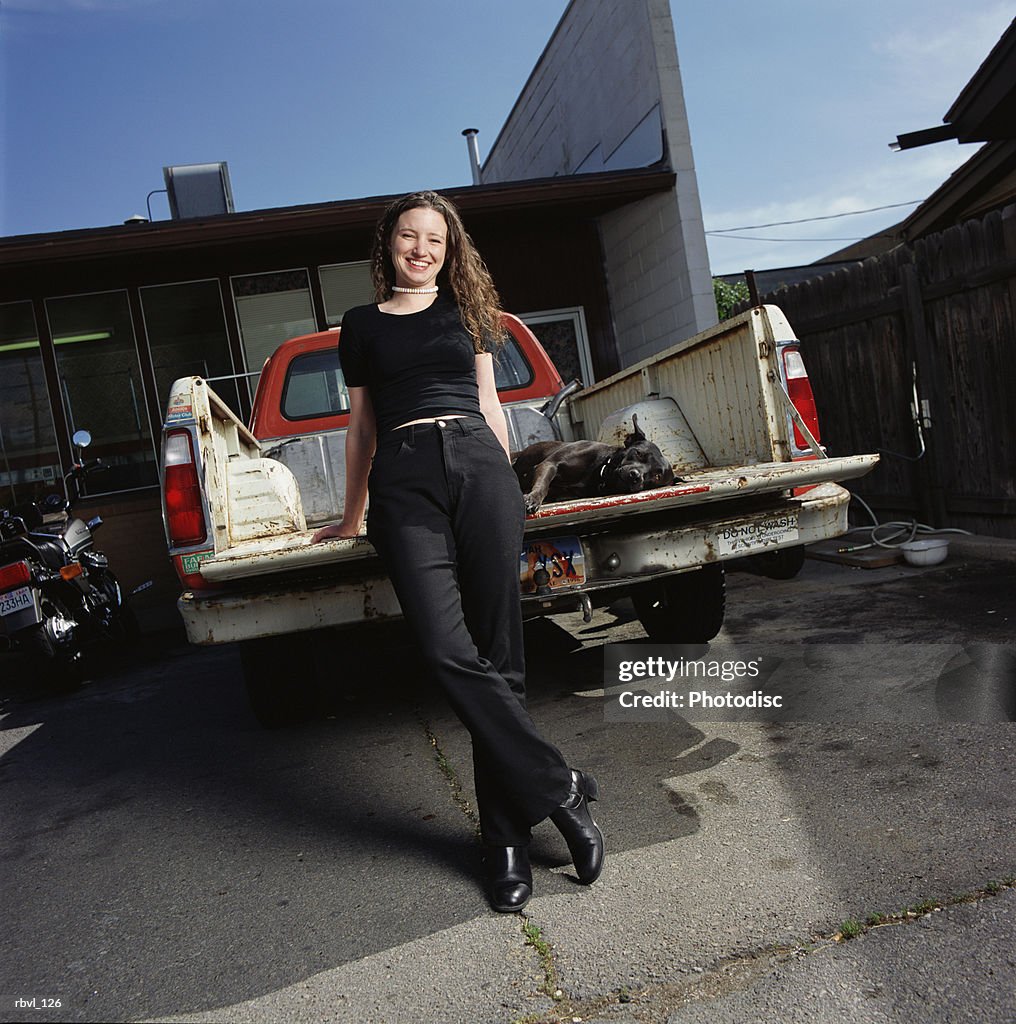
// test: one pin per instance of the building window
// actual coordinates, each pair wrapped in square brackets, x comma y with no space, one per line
[29,462]
[186,332]
[270,309]
[102,390]
[562,332]
[344,285]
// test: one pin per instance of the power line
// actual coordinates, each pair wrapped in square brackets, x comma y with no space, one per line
[762,238]
[811,220]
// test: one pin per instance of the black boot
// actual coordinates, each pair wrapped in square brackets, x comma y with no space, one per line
[581,833]
[580,830]
[509,877]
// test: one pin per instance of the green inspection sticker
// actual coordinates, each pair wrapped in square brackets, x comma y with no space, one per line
[192,563]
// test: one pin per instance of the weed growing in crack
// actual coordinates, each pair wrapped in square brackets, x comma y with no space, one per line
[534,938]
[451,777]
[926,907]
[851,929]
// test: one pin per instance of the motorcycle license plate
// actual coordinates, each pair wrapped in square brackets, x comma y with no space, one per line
[16,601]
[562,559]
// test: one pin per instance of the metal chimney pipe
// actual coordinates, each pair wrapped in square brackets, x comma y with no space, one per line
[474,153]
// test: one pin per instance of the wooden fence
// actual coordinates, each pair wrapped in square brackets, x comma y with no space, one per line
[940,313]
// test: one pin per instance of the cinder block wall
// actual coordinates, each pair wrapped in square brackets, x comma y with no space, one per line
[657,297]
[605,95]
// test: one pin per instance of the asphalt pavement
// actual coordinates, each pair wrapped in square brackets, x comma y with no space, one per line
[163,858]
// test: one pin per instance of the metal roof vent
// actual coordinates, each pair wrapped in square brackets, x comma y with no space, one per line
[198,190]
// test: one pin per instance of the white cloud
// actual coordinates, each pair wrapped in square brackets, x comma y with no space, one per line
[964,44]
[939,64]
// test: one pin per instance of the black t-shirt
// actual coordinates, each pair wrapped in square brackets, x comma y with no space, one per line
[414,365]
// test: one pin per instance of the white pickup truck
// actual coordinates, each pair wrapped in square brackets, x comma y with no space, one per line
[731,408]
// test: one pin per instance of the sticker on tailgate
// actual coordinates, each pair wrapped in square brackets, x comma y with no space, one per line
[192,563]
[757,534]
[554,562]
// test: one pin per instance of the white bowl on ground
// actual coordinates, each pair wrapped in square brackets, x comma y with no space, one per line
[928,551]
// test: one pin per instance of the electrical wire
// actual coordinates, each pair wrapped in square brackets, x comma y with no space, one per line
[811,220]
[763,238]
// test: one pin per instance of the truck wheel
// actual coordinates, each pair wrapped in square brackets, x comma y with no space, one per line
[279,675]
[684,609]
[784,564]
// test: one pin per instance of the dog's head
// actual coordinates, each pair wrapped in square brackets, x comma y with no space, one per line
[639,465]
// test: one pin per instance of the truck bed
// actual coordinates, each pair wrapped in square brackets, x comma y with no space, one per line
[294,552]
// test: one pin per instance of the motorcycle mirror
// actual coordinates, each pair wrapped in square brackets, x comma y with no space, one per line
[81,439]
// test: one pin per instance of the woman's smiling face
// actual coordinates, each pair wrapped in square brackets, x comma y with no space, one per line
[418,246]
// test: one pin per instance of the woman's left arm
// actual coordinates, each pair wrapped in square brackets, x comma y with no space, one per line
[490,404]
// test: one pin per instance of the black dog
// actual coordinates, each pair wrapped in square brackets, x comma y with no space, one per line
[559,470]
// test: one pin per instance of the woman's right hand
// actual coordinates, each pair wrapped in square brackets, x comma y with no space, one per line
[337,531]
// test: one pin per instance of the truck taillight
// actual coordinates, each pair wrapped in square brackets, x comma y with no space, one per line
[185,515]
[799,389]
[17,574]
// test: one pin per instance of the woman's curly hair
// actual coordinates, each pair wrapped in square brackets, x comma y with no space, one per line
[464,270]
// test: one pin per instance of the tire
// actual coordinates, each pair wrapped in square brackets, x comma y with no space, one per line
[37,643]
[278,673]
[684,609]
[784,564]
[54,669]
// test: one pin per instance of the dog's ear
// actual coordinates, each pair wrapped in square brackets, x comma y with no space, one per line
[636,436]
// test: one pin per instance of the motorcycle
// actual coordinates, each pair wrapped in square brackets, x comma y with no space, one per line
[58,596]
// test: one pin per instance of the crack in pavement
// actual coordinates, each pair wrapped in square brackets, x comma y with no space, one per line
[531,932]
[458,794]
[654,1004]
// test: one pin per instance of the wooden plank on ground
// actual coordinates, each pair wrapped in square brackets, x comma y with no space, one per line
[867,558]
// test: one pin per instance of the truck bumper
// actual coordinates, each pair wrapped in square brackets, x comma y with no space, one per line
[275,610]
[617,560]
[613,560]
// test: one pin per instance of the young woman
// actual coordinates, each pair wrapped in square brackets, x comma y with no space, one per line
[428,441]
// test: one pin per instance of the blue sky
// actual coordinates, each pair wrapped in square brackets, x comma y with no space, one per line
[791,103]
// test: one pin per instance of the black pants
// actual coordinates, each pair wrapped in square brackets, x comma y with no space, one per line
[446,517]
